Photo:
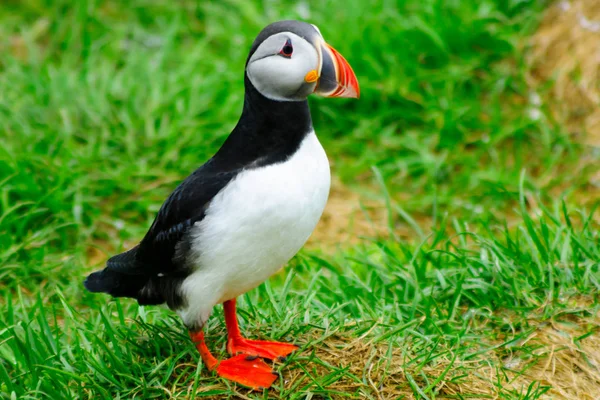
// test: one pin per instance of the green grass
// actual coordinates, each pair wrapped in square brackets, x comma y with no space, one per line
[105,107]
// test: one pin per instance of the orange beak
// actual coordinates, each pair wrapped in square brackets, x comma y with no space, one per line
[336,78]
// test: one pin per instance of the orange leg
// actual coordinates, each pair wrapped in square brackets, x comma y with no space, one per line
[261,348]
[243,369]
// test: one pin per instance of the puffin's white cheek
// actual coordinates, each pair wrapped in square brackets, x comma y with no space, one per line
[278,77]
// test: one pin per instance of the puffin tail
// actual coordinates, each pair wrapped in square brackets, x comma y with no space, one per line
[122,277]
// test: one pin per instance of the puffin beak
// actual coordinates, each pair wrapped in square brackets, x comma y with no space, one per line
[336,78]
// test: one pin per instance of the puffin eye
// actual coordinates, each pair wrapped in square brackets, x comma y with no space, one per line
[287,49]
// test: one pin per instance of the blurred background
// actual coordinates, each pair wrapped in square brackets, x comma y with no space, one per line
[476,136]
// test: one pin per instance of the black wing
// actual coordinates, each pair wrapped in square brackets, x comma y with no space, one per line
[182,209]
[137,272]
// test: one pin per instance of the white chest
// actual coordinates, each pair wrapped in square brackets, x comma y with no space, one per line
[257,223]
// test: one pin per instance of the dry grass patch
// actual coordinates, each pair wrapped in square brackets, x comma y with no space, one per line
[348,217]
[568,360]
[566,52]
[566,49]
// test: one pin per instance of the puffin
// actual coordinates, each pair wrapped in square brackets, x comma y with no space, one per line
[241,216]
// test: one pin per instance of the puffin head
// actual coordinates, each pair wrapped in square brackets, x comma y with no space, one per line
[289,60]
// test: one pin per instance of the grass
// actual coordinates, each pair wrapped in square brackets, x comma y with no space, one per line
[104,107]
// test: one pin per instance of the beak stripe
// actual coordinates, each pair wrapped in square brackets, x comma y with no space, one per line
[345,84]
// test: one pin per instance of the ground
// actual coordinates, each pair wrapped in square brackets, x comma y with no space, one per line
[459,253]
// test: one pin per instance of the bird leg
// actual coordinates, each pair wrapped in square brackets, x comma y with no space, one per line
[261,348]
[243,369]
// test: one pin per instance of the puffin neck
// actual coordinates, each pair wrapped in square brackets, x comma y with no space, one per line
[267,132]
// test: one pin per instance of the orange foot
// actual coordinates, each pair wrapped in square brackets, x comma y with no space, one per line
[260,348]
[247,370]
